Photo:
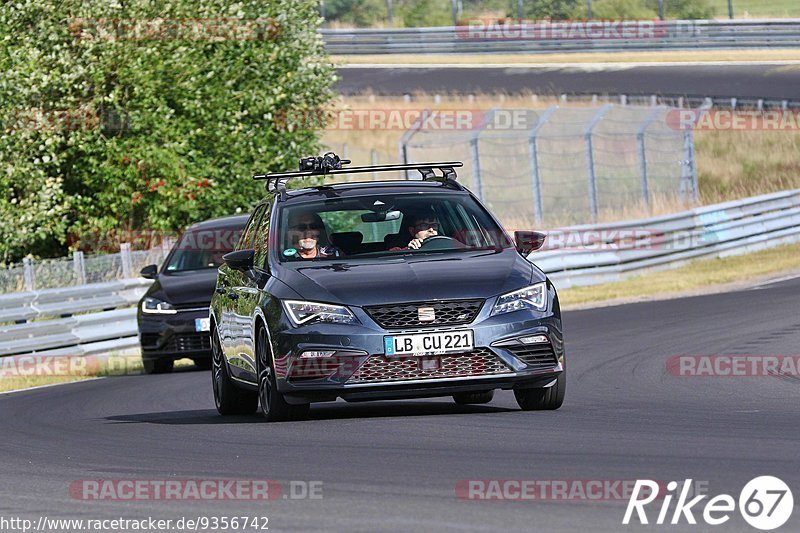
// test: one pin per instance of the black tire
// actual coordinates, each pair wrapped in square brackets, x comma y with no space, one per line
[467,398]
[228,398]
[157,366]
[543,399]
[203,364]
[273,404]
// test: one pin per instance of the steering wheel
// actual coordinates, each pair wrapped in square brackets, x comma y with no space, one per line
[440,242]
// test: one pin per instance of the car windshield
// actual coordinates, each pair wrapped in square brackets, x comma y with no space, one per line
[381,225]
[201,250]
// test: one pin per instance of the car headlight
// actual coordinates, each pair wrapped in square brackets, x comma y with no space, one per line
[531,297]
[156,306]
[303,313]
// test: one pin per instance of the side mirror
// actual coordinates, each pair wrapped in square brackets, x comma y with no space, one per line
[149,272]
[529,241]
[241,260]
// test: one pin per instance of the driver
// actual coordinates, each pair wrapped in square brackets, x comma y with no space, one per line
[423,225]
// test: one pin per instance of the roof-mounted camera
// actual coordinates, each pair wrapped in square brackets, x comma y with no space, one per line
[322,164]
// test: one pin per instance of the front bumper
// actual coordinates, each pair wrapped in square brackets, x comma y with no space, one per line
[174,336]
[360,370]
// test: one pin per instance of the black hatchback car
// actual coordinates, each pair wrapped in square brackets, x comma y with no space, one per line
[173,313]
[381,290]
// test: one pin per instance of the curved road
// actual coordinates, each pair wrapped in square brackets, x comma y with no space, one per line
[395,465]
[752,81]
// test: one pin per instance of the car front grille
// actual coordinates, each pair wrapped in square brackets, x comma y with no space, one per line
[379,368]
[406,315]
[535,355]
[192,342]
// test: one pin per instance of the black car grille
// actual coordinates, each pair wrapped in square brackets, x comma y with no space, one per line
[535,355]
[406,315]
[379,368]
[193,342]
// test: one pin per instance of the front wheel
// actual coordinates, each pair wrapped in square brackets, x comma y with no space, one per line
[229,399]
[543,399]
[273,404]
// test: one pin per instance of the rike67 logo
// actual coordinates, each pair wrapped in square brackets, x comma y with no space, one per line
[765,503]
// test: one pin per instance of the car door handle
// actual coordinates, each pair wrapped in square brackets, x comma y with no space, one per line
[233,296]
[221,290]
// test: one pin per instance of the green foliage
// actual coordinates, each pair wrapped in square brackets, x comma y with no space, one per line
[645,9]
[621,9]
[148,129]
[548,9]
[356,12]
[420,13]
[685,9]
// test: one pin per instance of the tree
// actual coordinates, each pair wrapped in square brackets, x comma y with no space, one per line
[145,115]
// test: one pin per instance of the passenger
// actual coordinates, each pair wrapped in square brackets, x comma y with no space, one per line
[305,230]
[422,225]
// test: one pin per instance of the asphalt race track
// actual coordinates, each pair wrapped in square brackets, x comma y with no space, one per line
[742,81]
[395,465]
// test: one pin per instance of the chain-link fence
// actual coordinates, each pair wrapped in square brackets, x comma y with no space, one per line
[79,269]
[568,165]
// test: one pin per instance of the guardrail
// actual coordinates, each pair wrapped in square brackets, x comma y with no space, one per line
[577,37]
[47,322]
[591,254]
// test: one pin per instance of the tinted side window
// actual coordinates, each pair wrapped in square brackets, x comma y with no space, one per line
[262,240]
[246,241]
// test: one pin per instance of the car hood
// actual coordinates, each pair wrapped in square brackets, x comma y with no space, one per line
[189,289]
[409,279]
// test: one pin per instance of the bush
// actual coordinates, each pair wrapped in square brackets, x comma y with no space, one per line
[106,128]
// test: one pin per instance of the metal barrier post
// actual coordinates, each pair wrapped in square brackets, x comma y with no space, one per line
[688,185]
[643,154]
[30,277]
[125,258]
[373,155]
[587,134]
[538,206]
[77,264]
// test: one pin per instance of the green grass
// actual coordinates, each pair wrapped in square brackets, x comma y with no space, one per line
[699,275]
[758,8]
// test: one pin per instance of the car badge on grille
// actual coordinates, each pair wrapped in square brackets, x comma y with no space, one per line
[426,314]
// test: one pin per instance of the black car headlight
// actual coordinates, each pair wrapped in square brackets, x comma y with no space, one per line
[302,313]
[155,306]
[531,297]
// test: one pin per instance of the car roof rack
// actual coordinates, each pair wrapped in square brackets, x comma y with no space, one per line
[331,164]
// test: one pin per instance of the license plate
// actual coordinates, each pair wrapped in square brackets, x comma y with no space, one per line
[202,324]
[429,343]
